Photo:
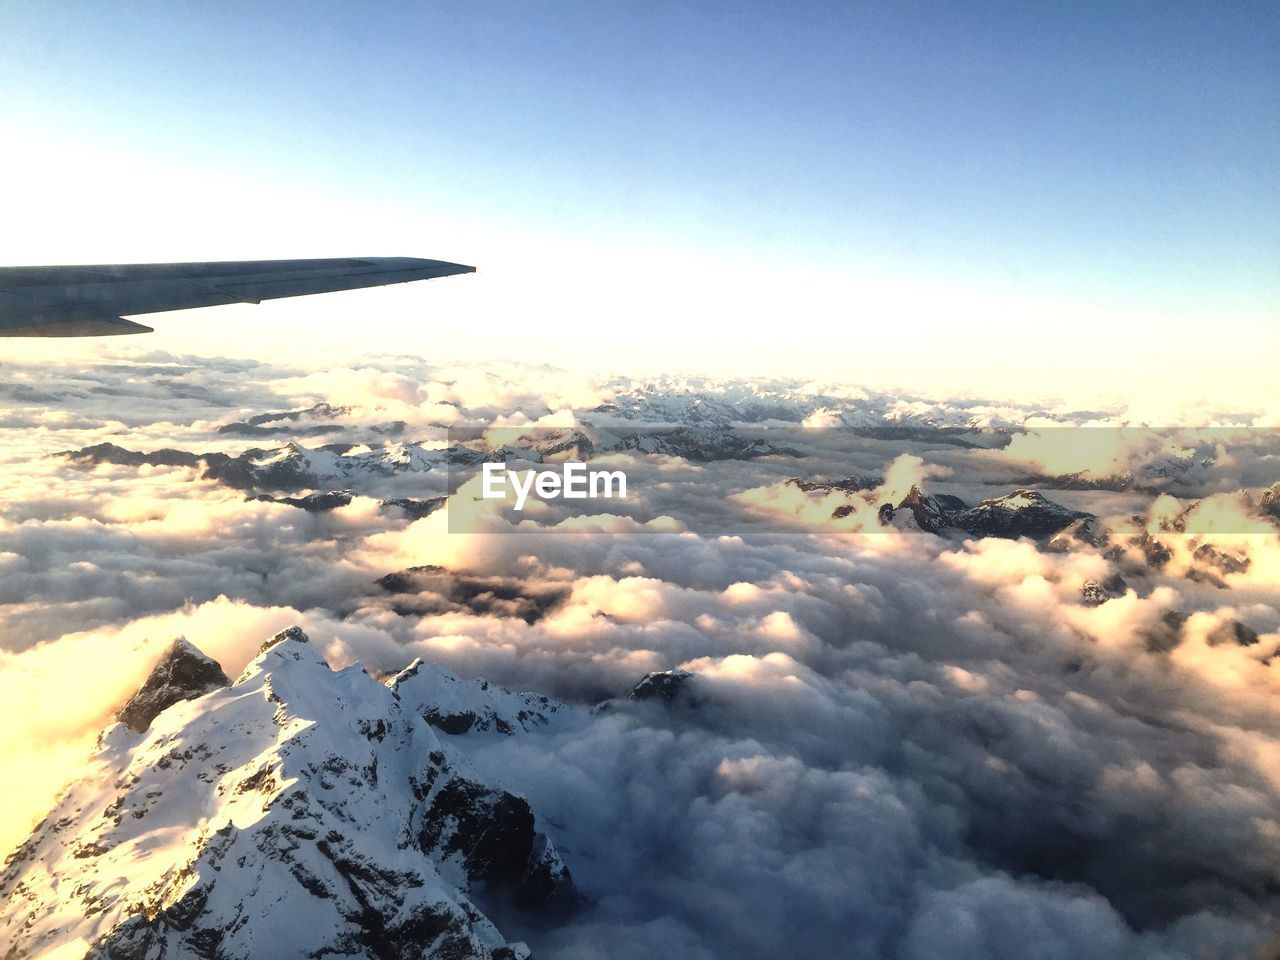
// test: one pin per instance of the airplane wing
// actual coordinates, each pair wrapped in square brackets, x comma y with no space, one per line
[92,301]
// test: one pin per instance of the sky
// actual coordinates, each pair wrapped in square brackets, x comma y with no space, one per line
[993,197]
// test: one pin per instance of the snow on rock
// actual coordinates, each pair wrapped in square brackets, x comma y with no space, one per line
[921,511]
[299,812]
[702,444]
[1085,532]
[1023,513]
[854,483]
[292,467]
[458,706]
[1094,593]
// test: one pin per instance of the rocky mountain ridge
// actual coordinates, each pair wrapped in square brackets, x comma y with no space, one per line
[335,468]
[1022,513]
[297,812]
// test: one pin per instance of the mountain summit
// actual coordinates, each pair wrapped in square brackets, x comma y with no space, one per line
[297,812]
[183,673]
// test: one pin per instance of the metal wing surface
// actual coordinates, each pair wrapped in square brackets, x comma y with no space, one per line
[92,301]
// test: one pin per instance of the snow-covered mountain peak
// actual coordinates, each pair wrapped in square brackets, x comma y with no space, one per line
[1022,513]
[290,645]
[293,633]
[301,811]
[1019,500]
[921,511]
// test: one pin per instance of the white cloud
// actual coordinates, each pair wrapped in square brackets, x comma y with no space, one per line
[896,744]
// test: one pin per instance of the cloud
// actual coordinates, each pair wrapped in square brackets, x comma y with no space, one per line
[895,746]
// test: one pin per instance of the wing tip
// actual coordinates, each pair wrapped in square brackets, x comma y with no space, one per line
[79,327]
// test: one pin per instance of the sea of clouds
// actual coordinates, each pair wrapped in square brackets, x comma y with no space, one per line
[892,746]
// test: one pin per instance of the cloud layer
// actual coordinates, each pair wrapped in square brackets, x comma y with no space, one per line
[892,745]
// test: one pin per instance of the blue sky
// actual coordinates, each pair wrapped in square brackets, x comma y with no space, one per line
[938,165]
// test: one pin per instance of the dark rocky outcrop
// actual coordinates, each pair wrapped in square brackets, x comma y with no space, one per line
[312,502]
[430,590]
[1167,632]
[110,453]
[1269,502]
[664,685]
[1154,553]
[412,508]
[1232,631]
[1085,532]
[1097,592]
[1223,561]
[294,633]
[854,483]
[286,422]
[493,832]
[183,673]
